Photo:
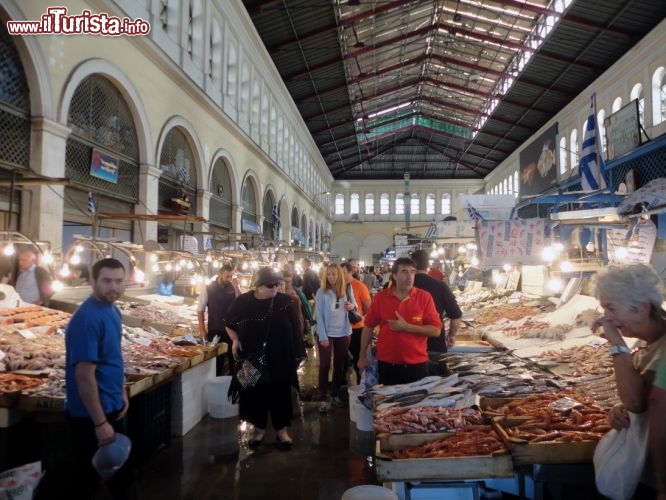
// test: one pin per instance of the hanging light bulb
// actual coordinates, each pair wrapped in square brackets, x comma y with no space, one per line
[168,266]
[78,248]
[190,265]
[216,264]
[47,258]
[244,266]
[558,247]
[621,253]
[57,286]
[506,267]
[9,249]
[548,254]
[178,267]
[153,258]
[434,254]
[139,274]
[75,259]
[462,249]
[156,268]
[566,266]
[555,285]
[589,247]
[209,258]
[474,261]
[64,270]
[255,264]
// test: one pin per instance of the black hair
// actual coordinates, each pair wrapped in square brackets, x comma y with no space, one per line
[420,258]
[402,261]
[108,263]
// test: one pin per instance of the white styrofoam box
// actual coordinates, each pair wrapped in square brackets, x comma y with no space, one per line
[187,402]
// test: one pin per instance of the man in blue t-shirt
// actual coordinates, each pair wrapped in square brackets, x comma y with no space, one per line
[96,399]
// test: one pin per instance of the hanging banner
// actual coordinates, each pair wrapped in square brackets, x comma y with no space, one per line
[516,241]
[635,249]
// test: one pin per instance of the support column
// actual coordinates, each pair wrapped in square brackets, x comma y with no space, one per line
[149,186]
[42,207]
[203,209]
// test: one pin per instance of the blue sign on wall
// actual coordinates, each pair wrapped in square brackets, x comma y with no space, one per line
[104,166]
[249,226]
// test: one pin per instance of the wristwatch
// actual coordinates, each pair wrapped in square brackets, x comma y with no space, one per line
[616,349]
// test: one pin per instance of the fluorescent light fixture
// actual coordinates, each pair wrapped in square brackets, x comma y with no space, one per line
[608,213]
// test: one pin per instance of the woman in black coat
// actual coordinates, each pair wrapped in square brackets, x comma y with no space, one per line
[263,314]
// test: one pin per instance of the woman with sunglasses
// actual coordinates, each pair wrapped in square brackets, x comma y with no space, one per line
[263,314]
[333,332]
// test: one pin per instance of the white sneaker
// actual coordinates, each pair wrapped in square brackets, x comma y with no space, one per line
[324,407]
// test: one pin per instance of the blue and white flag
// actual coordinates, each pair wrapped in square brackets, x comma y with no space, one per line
[592,167]
[432,230]
[92,206]
[276,220]
[473,213]
[183,175]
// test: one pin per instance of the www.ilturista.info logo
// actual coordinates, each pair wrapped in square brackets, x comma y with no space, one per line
[56,22]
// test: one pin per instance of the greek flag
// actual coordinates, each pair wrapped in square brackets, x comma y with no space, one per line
[276,220]
[92,206]
[183,175]
[592,168]
[432,230]
[473,213]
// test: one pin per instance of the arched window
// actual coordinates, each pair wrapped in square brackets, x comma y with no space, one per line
[659,96]
[563,155]
[446,204]
[515,183]
[399,204]
[638,94]
[370,204]
[573,152]
[249,201]
[415,204]
[430,204]
[339,204]
[354,203]
[505,187]
[510,191]
[617,104]
[384,204]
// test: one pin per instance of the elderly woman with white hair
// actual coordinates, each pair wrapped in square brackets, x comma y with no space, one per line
[631,296]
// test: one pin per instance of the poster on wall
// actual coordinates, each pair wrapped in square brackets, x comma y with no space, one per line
[538,164]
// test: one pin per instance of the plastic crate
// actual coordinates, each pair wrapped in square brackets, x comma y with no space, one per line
[149,421]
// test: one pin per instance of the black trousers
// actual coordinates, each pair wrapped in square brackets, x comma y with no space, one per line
[80,480]
[258,402]
[390,374]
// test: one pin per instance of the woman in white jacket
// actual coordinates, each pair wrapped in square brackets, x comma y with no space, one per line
[333,300]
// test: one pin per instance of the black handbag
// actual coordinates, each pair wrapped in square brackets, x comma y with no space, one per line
[353,315]
[252,369]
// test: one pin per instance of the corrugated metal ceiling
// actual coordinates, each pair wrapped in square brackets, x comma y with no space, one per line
[398,86]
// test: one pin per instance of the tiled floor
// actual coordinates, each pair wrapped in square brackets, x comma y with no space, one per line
[326,459]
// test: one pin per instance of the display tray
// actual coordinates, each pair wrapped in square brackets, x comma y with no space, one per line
[40,403]
[526,453]
[136,384]
[163,375]
[209,353]
[196,360]
[433,469]
[183,365]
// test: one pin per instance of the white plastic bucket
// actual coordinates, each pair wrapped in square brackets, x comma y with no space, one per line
[369,492]
[358,413]
[219,405]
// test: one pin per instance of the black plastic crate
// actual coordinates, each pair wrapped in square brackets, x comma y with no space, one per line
[149,421]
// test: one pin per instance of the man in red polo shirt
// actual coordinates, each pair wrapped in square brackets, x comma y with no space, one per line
[406,317]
